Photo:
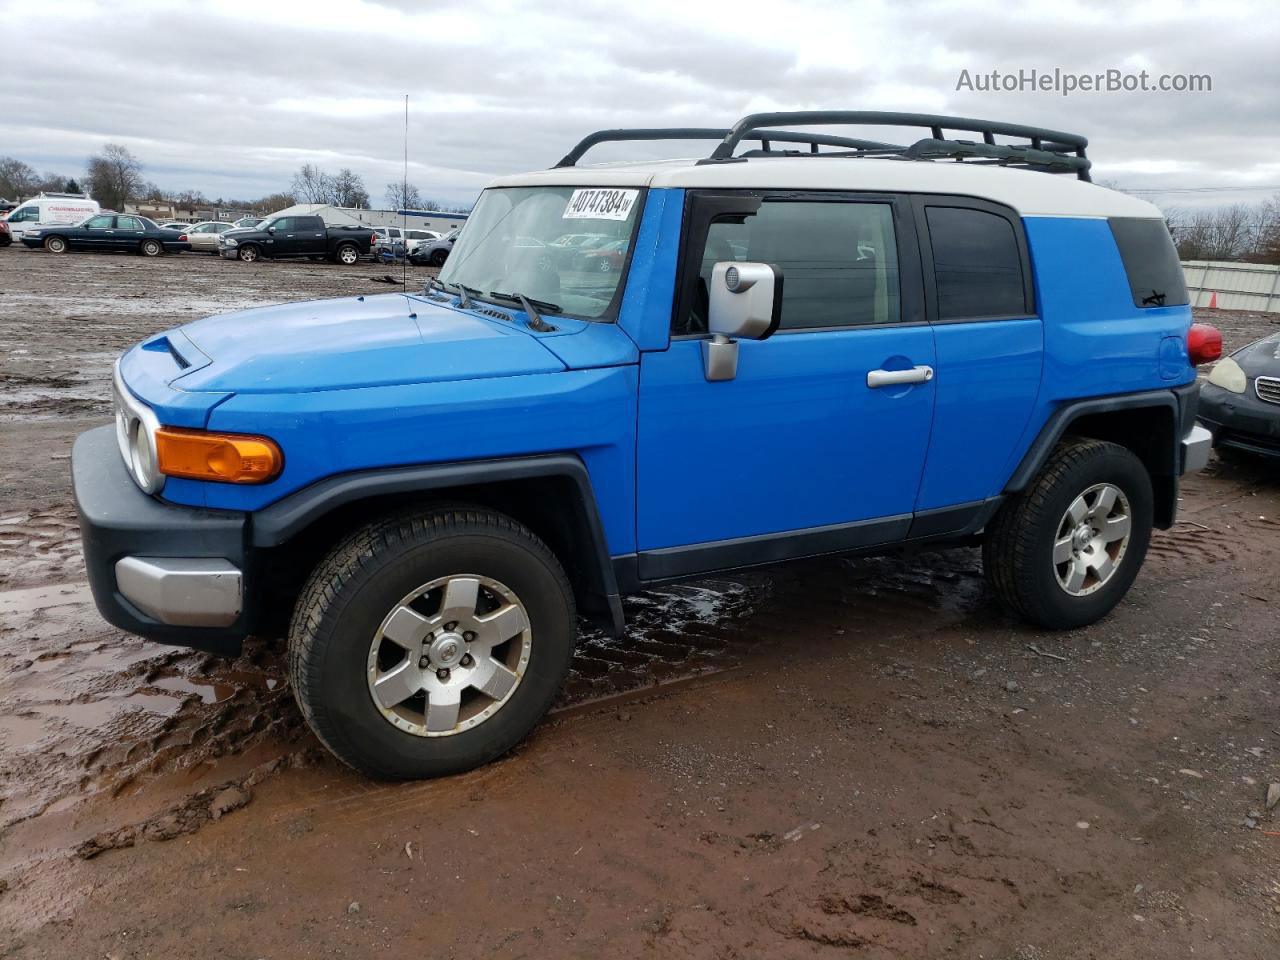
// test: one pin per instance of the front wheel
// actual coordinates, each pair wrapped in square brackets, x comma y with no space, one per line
[1065,551]
[347,255]
[150,248]
[438,257]
[431,642]
[248,254]
[55,245]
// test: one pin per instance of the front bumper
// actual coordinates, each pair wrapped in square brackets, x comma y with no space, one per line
[1240,420]
[169,573]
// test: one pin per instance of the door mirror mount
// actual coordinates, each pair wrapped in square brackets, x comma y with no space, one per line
[744,301]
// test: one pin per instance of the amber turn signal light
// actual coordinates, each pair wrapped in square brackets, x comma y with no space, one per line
[221,457]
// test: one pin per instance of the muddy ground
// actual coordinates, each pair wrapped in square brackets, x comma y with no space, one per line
[836,758]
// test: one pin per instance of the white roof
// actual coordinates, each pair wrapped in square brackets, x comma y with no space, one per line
[1030,192]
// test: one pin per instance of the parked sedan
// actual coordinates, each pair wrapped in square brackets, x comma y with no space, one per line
[1241,402]
[107,232]
[203,237]
[434,252]
[607,258]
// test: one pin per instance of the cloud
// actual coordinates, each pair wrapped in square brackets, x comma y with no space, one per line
[232,99]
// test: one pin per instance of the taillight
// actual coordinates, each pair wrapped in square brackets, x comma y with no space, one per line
[1204,343]
[182,238]
[373,239]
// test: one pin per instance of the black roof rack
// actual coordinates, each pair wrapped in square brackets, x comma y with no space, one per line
[1050,151]
[814,140]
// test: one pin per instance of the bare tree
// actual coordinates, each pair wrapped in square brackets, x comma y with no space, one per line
[348,190]
[404,196]
[271,203]
[115,176]
[17,179]
[312,185]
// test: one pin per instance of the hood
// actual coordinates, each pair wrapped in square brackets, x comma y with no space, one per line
[1260,358]
[355,342]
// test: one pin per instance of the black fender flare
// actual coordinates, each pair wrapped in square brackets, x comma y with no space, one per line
[278,523]
[1179,401]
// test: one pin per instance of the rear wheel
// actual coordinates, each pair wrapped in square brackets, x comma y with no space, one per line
[347,254]
[55,244]
[432,642]
[248,253]
[150,248]
[438,257]
[1065,551]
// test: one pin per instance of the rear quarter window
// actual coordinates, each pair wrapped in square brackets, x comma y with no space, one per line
[1150,261]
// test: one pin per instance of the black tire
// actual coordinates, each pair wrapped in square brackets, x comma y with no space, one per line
[249,253]
[347,254]
[438,257]
[55,244]
[348,595]
[151,248]
[1017,552]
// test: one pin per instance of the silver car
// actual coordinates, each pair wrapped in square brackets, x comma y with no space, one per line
[203,237]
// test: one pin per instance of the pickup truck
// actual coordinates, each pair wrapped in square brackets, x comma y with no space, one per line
[292,236]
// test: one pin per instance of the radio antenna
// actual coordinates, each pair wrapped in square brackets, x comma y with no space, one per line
[404,200]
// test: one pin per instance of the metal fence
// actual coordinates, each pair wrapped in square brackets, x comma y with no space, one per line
[1237,286]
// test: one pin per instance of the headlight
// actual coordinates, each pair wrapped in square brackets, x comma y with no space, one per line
[33,233]
[135,432]
[227,241]
[1228,375]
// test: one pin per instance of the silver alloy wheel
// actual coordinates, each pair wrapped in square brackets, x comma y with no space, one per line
[56,245]
[348,255]
[449,655]
[248,254]
[150,248]
[1092,538]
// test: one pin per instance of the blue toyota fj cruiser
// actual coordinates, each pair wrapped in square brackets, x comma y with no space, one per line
[818,345]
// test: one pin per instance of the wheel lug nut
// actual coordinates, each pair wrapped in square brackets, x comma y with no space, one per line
[442,674]
[467,660]
[469,636]
[424,663]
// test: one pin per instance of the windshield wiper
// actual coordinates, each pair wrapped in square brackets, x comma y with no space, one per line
[531,307]
[464,292]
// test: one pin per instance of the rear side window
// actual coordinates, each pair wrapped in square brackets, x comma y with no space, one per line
[1151,262]
[977,265]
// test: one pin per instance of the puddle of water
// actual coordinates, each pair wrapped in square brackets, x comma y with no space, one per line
[95,714]
[20,732]
[208,691]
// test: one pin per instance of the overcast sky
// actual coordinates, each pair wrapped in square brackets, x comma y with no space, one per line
[230,98]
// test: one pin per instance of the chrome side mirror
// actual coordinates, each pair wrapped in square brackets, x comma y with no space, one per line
[744,301]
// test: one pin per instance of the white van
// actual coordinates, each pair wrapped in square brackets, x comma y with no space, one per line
[49,208]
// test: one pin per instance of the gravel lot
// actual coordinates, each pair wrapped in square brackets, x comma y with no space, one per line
[839,757]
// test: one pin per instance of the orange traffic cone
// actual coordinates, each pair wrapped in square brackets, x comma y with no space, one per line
[1213,301]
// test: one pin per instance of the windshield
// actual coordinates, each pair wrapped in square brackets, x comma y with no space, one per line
[524,240]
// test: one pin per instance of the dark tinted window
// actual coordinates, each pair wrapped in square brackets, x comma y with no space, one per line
[839,261]
[976,264]
[1151,261]
[101,223]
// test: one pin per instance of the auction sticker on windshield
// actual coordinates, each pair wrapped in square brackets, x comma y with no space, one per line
[599,203]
